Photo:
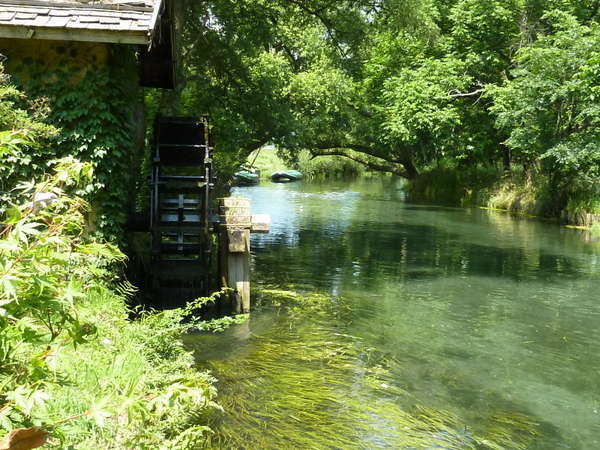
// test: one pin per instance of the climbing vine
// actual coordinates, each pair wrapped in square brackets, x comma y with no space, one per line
[23,133]
[93,110]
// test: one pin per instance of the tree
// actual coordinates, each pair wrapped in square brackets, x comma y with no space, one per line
[550,108]
[288,72]
[393,84]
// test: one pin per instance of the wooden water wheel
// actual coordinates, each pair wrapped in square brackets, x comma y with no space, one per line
[181,183]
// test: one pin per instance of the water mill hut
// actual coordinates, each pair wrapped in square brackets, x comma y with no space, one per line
[88,61]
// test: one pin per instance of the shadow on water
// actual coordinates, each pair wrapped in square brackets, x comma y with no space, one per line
[382,324]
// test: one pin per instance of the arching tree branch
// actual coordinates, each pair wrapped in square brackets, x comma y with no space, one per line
[387,168]
[467,94]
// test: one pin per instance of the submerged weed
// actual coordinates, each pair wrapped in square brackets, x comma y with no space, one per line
[305,383]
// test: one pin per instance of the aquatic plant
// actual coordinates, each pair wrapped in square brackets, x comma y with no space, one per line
[306,383]
[303,303]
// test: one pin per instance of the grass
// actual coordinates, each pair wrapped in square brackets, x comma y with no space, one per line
[455,186]
[489,188]
[132,386]
[522,198]
[73,367]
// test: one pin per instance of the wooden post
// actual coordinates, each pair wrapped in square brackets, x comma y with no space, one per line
[234,248]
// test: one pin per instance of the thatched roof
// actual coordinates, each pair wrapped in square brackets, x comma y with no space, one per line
[117,21]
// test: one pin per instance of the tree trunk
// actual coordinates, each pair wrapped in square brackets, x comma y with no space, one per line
[410,168]
[506,160]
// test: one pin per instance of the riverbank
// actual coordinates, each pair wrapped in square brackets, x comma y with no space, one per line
[133,385]
[489,188]
[79,368]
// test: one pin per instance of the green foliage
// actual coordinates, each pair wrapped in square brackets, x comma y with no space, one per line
[417,109]
[483,35]
[399,86]
[46,265]
[71,362]
[550,109]
[289,73]
[222,323]
[24,138]
[134,385]
[468,186]
[93,112]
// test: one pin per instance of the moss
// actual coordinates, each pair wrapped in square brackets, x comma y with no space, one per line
[49,56]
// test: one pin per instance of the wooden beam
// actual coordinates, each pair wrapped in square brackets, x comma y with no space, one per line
[234,248]
[63,34]
[238,276]
[234,242]
[261,223]
[155,16]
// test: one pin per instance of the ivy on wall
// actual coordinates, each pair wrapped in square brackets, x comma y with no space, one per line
[93,107]
[23,133]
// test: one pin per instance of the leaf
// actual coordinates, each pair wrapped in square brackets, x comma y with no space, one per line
[8,286]
[31,228]
[8,246]
[71,292]
[99,413]
[27,399]
[24,439]
[5,421]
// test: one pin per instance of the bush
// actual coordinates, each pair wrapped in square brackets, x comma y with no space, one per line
[454,186]
[72,366]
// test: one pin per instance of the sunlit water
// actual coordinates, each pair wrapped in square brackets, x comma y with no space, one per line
[475,314]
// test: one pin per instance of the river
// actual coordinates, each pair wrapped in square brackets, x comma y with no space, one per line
[385,324]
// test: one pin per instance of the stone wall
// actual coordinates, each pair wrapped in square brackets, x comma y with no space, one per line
[47,56]
[93,94]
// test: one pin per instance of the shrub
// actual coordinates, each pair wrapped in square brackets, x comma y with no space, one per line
[72,366]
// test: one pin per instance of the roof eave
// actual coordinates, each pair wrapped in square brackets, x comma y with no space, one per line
[158,6]
[73,34]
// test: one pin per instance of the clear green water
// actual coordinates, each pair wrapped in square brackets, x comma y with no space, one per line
[418,327]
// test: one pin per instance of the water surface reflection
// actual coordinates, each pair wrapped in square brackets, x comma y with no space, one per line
[490,318]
